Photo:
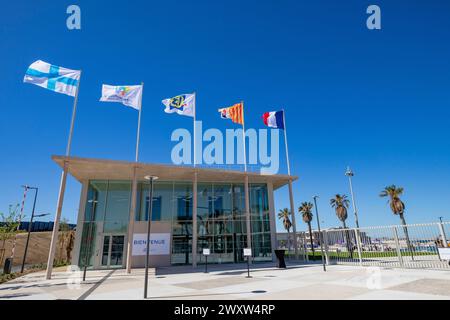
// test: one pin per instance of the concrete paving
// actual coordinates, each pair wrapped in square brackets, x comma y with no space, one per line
[229,282]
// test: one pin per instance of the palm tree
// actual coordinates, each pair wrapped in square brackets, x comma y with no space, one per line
[305,210]
[287,224]
[398,208]
[340,204]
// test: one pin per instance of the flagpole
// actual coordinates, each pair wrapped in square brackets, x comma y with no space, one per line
[194,193]
[291,193]
[195,134]
[134,188]
[139,124]
[62,189]
[286,144]
[246,189]
[243,137]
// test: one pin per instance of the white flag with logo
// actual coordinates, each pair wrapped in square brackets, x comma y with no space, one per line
[183,104]
[127,95]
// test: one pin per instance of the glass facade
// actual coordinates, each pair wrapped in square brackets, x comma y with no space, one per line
[221,221]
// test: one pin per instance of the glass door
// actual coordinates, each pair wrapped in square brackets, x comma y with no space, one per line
[113,250]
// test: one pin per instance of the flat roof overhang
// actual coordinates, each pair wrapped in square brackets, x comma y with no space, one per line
[84,169]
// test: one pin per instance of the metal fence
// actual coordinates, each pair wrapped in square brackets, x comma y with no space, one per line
[409,246]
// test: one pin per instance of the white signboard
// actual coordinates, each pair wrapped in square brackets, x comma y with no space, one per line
[206,252]
[444,253]
[159,244]
[247,252]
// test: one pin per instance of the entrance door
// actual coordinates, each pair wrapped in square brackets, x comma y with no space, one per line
[113,251]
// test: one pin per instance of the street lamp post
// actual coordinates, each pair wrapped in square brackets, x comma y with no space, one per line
[151,179]
[349,173]
[29,227]
[320,233]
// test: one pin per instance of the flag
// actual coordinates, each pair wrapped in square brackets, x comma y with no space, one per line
[52,77]
[274,119]
[127,95]
[183,104]
[235,113]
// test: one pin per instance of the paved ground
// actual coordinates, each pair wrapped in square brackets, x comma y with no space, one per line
[228,282]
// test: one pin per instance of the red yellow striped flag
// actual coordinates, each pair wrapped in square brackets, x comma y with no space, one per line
[235,113]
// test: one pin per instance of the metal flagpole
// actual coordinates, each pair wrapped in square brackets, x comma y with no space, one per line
[62,189]
[291,194]
[286,145]
[246,188]
[194,193]
[243,137]
[13,250]
[139,124]
[195,135]
[134,188]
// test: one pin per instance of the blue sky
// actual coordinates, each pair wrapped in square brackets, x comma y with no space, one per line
[375,100]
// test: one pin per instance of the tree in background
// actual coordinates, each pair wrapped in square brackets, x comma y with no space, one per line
[65,239]
[8,228]
[398,208]
[287,224]
[305,210]
[340,204]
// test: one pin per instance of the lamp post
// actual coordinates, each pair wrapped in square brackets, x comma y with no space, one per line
[150,179]
[29,226]
[349,173]
[89,238]
[320,233]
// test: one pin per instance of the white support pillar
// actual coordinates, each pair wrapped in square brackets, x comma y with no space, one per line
[80,223]
[442,232]
[131,219]
[294,225]
[273,226]
[194,221]
[247,214]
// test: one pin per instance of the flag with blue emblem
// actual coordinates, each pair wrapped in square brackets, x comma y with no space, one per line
[183,104]
[52,77]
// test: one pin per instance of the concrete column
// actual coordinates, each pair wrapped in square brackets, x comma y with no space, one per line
[293,213]
[131,219]
[273,226]
[444,238]
[247,213]
[194,221]
[80,223]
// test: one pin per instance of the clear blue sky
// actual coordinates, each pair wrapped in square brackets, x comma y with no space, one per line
[378,101]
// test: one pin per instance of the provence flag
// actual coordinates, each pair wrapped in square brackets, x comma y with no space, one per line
[235,113]
[183,104]
[52,77]
[274,119]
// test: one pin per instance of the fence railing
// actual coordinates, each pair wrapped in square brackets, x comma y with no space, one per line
[402,246]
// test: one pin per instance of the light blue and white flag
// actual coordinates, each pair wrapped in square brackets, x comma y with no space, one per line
[128,95]
[52,77]
[183,104]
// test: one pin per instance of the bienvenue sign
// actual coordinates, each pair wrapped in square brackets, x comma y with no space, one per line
[159,244]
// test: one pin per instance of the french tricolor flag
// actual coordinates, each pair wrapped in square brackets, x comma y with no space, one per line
[274,119]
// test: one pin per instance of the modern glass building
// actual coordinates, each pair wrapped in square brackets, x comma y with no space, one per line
[193,209]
